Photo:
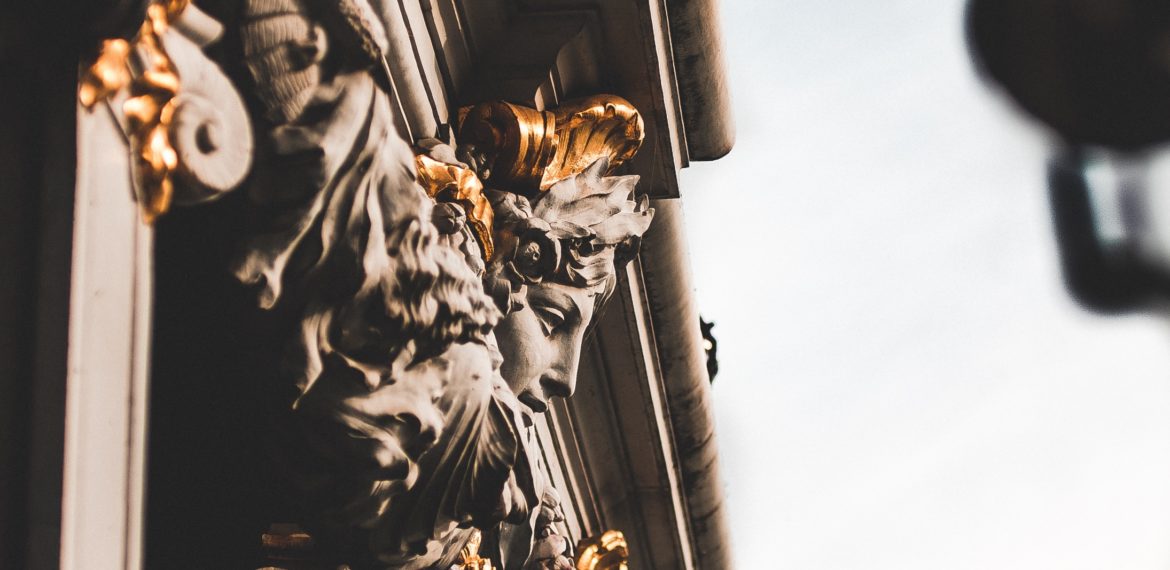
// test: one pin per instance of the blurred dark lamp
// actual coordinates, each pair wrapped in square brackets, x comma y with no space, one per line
[1096,71]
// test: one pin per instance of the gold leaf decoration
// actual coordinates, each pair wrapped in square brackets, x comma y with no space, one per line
[455,183]
[469,556]
[150,108]
[529,150]
[108,74]
[602,126]
[607,552]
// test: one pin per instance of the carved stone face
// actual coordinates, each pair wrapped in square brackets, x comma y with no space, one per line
[558,255]
[541,343]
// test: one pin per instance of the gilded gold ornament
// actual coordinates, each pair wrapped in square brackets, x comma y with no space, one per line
[150,108]
[455,183]
[531,150]
[602,126]
[469,556]
[518,142]
[108,74]
[607,552]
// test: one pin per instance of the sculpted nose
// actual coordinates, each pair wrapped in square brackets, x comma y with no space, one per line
[556,386]
[561,379]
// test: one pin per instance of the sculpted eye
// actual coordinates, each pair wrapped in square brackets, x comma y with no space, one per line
[551,318]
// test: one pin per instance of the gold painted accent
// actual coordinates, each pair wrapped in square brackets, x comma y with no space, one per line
[454,183]
[108,75]
[150,108]
[286,546]
[528,149]
[470,558]
[286,538]
[520,142]
[599,126]
[608,552]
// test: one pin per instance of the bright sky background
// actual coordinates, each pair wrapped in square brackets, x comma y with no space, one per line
[904,383]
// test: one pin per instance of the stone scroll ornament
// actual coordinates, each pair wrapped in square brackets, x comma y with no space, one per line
[420,278]
[189,134]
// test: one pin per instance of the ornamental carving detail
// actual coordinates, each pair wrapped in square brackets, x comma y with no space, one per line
[431,296]
[190,137]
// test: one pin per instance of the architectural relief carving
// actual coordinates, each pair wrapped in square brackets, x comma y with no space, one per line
[432,316]
[347,361]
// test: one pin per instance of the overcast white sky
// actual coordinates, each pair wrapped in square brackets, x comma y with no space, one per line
[904,383]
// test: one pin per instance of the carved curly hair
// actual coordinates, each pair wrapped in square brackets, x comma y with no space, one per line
[361,253]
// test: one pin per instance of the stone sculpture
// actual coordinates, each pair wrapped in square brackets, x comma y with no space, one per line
[557,261]
[432,314]
[392,362]
[561,255]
